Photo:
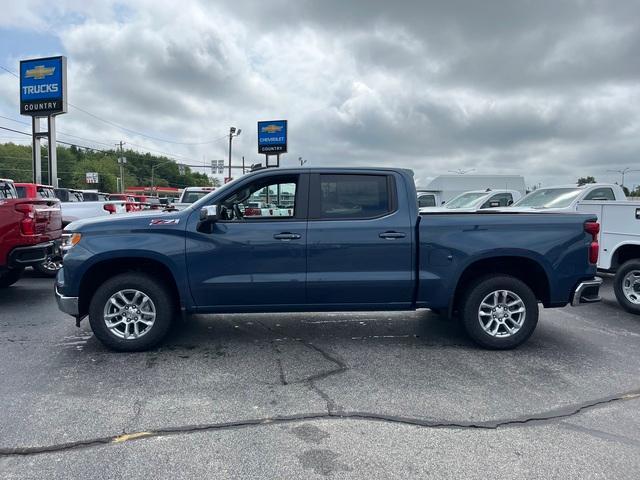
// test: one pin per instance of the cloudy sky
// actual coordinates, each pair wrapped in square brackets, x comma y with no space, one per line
[547,89]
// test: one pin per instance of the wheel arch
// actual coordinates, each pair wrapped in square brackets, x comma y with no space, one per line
[104,269]
[525,269]
[623,253]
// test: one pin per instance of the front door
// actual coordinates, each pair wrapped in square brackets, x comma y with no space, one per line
[255,253]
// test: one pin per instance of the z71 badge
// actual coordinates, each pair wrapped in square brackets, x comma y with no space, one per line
[164,221]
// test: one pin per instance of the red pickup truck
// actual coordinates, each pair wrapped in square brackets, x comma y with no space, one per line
[30,231]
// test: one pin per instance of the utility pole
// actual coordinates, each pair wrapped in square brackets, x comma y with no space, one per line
[121,161]
[233,132]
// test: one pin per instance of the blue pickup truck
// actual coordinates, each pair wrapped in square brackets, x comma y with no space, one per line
[299,240]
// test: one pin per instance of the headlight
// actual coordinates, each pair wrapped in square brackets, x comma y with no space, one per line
[69,240]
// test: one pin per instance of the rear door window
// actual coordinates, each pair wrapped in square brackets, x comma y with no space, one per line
[603,193]
[346,196]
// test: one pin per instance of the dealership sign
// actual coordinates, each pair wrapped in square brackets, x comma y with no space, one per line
[43,86]
[272,137]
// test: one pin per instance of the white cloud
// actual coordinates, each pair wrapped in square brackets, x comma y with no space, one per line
[502,86]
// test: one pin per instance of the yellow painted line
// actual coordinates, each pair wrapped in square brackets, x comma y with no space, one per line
[629,396]
[130,436]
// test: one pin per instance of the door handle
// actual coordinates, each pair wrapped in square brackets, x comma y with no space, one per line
[287,236]
[392,235]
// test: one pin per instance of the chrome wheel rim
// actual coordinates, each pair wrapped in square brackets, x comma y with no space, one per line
[129,314]
[631,286]
[502,313]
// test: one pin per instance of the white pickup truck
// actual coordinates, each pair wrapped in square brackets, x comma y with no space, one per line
[191,195]
[619,247]
[75,208]
[565,198]
[477,200]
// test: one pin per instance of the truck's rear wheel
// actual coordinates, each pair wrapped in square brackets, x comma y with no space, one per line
[499,312]
[131,312]
[626,286]
[9,277]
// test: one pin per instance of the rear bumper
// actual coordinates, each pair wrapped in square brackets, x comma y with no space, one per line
[587,292]
[32,255]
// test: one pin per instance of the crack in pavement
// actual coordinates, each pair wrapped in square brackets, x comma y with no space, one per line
[137,409]
[341,367]
[542,417]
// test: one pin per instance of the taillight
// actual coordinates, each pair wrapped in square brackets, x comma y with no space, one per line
[110,207]
[593,228]
[28,223]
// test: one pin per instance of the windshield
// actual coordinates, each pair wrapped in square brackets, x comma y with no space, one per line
[549,198]
[465,200]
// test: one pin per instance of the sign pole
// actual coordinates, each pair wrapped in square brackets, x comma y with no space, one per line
[53,154]
[35,146]
[43,93]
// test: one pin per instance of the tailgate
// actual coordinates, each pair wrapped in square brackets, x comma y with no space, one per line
[47,217]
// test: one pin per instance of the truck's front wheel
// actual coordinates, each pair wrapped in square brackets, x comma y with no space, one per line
[626,286]
[131,312]
[499,312]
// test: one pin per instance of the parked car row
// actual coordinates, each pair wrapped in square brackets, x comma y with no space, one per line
[33,215]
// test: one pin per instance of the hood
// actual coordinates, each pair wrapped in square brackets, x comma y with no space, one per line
[137,220]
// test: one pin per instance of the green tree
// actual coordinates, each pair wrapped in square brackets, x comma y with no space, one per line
[74,163]
[585,180]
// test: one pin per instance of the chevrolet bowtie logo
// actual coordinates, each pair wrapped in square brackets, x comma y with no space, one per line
[272,129]
[39,72]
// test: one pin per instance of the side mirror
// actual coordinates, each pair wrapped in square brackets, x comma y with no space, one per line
[443,202]
[209,213]
[509,203]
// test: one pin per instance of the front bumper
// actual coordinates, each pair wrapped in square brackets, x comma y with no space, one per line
[587,292]
[21,257]
[68,305]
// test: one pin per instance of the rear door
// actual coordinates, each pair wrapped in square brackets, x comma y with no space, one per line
[360,240]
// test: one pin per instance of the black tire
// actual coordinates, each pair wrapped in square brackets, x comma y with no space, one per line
[618,286]
[476,294]
[159,295]
[9,277]
[47,268]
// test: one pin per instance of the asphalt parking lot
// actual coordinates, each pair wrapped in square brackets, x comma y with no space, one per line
[369,395]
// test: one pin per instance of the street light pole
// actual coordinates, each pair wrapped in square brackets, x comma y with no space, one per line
[233,132]
[623,172]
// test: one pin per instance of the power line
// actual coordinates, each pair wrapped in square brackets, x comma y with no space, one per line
[135,132]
